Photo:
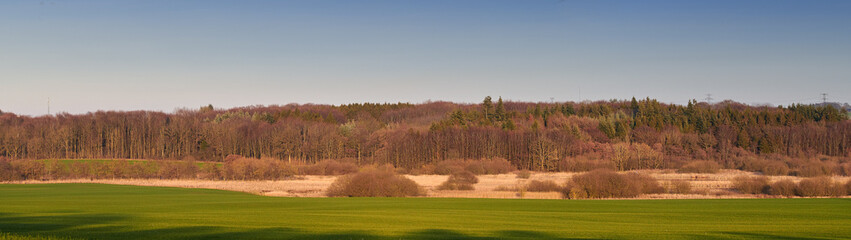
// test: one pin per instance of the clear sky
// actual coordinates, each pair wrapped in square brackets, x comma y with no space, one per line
[163,55]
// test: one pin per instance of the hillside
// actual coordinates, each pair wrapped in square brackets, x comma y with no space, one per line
[624,135]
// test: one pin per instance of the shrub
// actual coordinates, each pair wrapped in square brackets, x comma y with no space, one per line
[701,167]
[374,183]
[504,188]
[145,169]
[24,169]
[848,187]
[494,166]
[543,186]
[844,169]
[751,185]
[7,172]
[459,181]
[782,188]
[603,183]
[813,169]
[767,167]
[465,177]
[819,186]
[680,187]
[774,168]
[524,174]
[329,167]
[644,183]
[573,191]
[178,170]
[448,167]
[210,171]
[256,169]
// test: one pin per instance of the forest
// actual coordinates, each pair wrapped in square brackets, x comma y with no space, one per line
[539,136]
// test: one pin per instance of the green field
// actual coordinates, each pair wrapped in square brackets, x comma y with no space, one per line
[94,211]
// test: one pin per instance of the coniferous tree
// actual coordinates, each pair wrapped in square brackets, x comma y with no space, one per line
[487,108]
[500,110]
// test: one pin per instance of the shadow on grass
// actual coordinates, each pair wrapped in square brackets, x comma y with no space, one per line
[104,226]
[114,226]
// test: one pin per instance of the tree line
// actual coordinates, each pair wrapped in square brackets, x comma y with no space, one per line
[629,134]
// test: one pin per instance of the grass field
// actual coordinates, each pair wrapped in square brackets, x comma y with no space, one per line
[96,211]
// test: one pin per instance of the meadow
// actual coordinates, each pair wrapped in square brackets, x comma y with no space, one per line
[100,211]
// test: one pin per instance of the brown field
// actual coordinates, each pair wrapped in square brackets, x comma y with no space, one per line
[717,185]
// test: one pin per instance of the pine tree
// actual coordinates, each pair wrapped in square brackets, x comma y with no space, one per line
[500,110]
[634,106]
[487,108]
[744,140]
[508,125]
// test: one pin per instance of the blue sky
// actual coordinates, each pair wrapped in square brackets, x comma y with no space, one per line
[163,55]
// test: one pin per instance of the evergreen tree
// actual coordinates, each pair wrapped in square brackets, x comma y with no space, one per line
[487,108]
[634,106]
[500,110]
[508,125]
[743,140]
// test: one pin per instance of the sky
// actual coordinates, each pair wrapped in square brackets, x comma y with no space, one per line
[164,55]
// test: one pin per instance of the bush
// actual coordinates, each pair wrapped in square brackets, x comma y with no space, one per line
[573,191]
[459,181]
[701,167]
[603,183]
[178,170]
[504,188]
[782,188]
[448,167]
[494,166]
[848,187]
[256,169]
[329,167]
[7,172]
[819,186]
[680,187]
[210,171]
[524,174]
[844,169]
[644,183]
[374,183]
[543,186]
[751,185]
[144,169]
[813,169]
[767,167]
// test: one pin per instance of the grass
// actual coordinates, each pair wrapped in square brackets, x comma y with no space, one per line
[96,211]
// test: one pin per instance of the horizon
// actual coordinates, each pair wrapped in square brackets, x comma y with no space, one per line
[87,56]
[228,108]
